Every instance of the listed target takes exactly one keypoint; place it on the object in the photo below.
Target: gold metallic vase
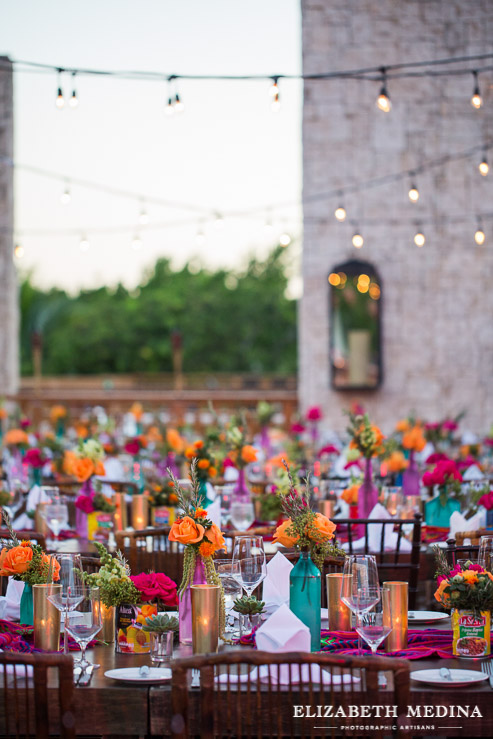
(205, 618)
(46, 618)
(398, 595)
(107, 633)
(339, 613)
(140, 512)
(120, 515)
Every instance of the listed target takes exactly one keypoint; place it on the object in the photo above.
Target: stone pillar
(9, 321)
(437, 301)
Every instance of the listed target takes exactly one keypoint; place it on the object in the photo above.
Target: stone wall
(9, 349)
(437, 301)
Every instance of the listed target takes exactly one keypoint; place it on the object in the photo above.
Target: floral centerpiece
(240, 454)
(468, 592)
(163, 500)
(83, 463)
(413, 441)
(26, 561)
(310, 533)
(35, 461)
(58, 418)
(265, 413)
(128, 600)
(368, 440)
(206, 466)
(201, 539)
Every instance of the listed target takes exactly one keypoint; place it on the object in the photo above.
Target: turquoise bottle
(305, 587)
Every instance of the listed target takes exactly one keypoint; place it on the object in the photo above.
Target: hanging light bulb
(200, 238)
(479, 236)
(358, 240)
(383, 100)
(179, 105)
(143, 217)
(476, 100)
(419, 239)
(74, 100)
(169, 110)
(484, 167)
(340, 213)
(285, 239)
(84, 243)
(60, 100)
(413, 193)
(136, 242)
(65, 197)
(18, 251)
(268, 227)
(274, 91)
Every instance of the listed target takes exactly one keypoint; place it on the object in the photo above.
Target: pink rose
(487, 500)
(297, 428)
(84, 503)
(436, 457)
(329, 449)
(132, 447)
(314, 413)
(34, 458)
(156, 586)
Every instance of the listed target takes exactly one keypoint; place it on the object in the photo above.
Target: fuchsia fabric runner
(19, 638)
(421, 644)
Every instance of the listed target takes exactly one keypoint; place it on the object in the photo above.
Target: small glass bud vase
(161, 646)
(248, 622)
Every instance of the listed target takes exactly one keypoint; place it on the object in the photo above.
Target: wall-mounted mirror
(355, 320)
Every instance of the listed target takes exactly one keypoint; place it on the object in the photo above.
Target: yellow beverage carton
(471, 633)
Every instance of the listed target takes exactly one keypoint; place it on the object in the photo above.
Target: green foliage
(112, 579)
(112, 331)
(159, 624)
(248, 604)
(102, 504)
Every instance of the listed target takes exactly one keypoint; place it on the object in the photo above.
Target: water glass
(242, 515)
(161, 646)
(485, 556)
(360, 575)
(231, 587)
(392, 499)
(84, 622)
(248, 561)
(375, 624)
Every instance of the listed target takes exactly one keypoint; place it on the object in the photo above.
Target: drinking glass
(485, 556)
(360, 574)
(375, 624)
(161, 649)
(70, 578)
(225, 568)
(392, 499)
(55, 513)
(248, 562)
(242, 515)
(84, 622)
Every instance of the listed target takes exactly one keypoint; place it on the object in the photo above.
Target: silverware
(487, 668)
(445, 673)
(86, 676)
(195, 679)
(77, 674)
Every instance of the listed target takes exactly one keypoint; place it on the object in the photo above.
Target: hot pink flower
(132, 447)
(329, 449)
(156, 586)
(84, 503)
(445, 472)
(34, 458)
(436, 457)
(486, 500)
(449, 425)
(25, 423)
(314, 413)
(297, 428)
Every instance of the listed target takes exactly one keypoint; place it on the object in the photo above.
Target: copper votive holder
(205, 618)
(120, 515)
(46, 618)
(327, 507)
(339, 613)
(398, 594)
(40, 524)
(140, 512)
(107, 633)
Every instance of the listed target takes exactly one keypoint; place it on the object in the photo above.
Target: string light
(479, 236)
(274, 91)
(143, 217)
(484, 167)
(476, 100)
(284, 239)
(18, 251)
(84, 243)
(179, 105)
(136, 242)
(357, 240)
(170, 109)
(413, 193)
(340, 213)
(65, 197)
(74, 100)
(419, 239)
(60, 100)
(383, 99)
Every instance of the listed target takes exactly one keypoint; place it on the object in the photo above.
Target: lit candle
(205, 618)
(398, 594)
(339, 613)
(46, 618)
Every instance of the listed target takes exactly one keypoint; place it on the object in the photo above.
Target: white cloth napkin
(12, 611)
(276, 583)
(459, 523)
(214, 512)
(375, 535)
(283, 632)
(300, 674)
(473, 473)
(36, 495)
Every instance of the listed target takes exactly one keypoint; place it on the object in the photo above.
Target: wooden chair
(264, 708)
(91, 564)
(473, 536)
(393, 564)
(28, 710)
(230, 536)
(31, 535)
(453, 552)
(150, 550)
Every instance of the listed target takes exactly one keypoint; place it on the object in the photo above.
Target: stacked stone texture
(9, 365)
(437, 301)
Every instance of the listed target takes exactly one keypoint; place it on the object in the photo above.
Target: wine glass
(392, 499)
(231, 587)
(360, 574)
(248, 562)
(55, 514)
(71, 580)
(242, 515)
(85, 621)
(485, 556)
(375, 624)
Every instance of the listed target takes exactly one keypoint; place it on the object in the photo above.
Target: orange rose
(16, 436)
(68, 462)
(214, 535)
(470, 577)
(99, 469)
(174, 440)
(55, 565)
(397, 462)
(282, 537)
(173, 498)
(3, 554)
(190, 452)
(57, 412)
(212, 472)
(198, 444)
(82, 468)
(402, 425)
(136, 410)
(248, 454)
(440, 596)
(325, 527)
(379, 437)
(186, 531)
(277, 461)
(16, 560)
(414, 439)
(203, 464)
(350, 495)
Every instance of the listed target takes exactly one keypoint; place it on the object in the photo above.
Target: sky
(226, 152)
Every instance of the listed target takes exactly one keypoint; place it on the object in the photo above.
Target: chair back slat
(150, 549)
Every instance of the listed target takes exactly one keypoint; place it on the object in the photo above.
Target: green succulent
(248, 605)
(159, 624)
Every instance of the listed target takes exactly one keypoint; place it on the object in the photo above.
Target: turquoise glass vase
(26, 606)
(304, 596)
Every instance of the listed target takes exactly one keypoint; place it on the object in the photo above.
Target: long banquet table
(110, 708)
